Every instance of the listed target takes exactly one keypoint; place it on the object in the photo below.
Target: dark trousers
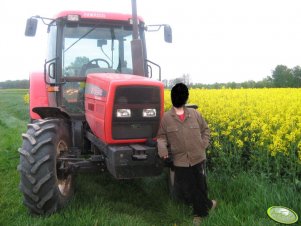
(191, 187)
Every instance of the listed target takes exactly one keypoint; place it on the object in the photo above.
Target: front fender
(37, 93)
(50, 112)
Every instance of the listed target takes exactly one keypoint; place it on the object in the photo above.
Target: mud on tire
(45, 186)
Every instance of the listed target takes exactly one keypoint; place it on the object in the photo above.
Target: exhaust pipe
(136, 45)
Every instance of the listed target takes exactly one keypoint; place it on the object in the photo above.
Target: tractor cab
(81, 43)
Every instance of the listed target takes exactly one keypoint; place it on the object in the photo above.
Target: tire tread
(39, 182)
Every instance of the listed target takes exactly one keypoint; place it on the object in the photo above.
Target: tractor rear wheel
(46, 182)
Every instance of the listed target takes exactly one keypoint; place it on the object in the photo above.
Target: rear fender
(37, 93)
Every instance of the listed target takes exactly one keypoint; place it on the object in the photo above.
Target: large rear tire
(45, 183)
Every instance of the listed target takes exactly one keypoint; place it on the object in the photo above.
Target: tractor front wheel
(46, 183)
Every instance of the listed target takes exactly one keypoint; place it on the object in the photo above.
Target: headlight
(123, 113)
(149, 113)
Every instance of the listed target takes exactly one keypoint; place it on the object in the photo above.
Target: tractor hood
(117, 107)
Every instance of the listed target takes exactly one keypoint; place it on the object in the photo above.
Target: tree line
(16, 84)
(281, 77)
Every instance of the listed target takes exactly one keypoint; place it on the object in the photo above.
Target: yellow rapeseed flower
(261, 120)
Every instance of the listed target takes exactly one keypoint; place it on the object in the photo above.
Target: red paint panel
(101, 88)
(37, 93)
(91, 107)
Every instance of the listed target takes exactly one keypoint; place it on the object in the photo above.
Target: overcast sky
(213, 40)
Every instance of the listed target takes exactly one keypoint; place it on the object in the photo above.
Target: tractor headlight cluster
(127, 113)
(149, 113)
(123, 113)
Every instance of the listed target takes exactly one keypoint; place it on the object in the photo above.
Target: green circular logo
(282, 214)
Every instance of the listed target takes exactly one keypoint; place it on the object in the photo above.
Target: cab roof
(97, 15)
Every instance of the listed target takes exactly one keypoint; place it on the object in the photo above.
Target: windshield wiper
(93, 28)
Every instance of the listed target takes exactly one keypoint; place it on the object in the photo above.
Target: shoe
(214, 204)
(197, 221)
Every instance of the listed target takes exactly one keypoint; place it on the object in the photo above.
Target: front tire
(46, 183)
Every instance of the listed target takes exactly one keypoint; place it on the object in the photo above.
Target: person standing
(185, 132)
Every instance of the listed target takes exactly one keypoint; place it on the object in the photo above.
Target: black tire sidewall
(48, 198)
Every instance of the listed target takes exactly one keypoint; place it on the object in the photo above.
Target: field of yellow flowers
(258, 129)
(251, 129)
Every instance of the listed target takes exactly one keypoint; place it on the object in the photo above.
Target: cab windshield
(89, 48)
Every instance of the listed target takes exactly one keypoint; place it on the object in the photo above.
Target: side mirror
(31, 27)
(167, 34)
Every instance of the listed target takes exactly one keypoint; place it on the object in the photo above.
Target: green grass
(101, 200)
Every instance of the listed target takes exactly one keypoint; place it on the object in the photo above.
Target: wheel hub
(64, 179)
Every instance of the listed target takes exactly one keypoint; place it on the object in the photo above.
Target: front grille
(136, 98)
(137, 95)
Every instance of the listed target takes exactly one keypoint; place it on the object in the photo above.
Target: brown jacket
(186, 139)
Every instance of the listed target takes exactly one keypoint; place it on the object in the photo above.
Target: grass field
(101, 200)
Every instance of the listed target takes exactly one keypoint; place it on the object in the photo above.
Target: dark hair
(179, 95)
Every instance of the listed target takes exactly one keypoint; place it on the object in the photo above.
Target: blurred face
(179, 95)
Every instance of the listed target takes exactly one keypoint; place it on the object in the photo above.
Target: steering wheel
(96, 60)
(93, 64)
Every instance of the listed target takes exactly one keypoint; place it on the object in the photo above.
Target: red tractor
(94, 108)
